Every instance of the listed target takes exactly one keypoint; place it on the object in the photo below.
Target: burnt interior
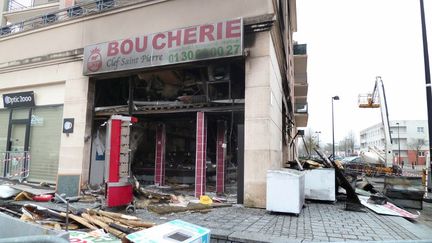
(202, 84)
(216, 85)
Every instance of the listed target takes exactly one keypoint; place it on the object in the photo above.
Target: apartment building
(218, 88)
(409, 140)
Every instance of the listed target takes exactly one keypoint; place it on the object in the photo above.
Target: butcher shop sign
(201, 42)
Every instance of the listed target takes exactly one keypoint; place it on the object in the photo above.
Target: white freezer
(320, 184)
(285, 191)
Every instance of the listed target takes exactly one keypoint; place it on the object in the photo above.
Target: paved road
(318, 222)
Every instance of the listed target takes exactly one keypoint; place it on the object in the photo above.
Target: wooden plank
(104, 226)
(163, 209)
(80, 220)
(113, 215)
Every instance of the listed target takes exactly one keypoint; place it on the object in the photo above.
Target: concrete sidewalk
(318, 222)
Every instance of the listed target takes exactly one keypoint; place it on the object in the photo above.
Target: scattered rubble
(41, 205)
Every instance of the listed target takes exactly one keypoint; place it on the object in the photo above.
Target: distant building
(412, 135)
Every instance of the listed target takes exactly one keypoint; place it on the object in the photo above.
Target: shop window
(4, 123)
(20, 113)
(45, 133)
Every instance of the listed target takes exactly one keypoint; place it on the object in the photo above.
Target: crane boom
(377, 99)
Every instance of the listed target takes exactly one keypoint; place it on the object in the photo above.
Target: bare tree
(328, 148)
(417, 145)
(309, 144)
(347, 145)
(351, 141)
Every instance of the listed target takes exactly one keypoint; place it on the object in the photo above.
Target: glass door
(17, 138)
(17, 159)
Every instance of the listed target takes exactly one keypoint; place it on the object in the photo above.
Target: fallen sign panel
(35, 190)
(172, 231)
(387, 209)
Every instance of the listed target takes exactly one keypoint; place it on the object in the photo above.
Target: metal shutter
(45, 134)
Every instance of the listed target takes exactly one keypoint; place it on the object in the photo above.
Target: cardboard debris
(313, 164)
(23, 196)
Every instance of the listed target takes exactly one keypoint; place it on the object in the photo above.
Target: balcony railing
(300, 49)
(301, 108)
(79, 10)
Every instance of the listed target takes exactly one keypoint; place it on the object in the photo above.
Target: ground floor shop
(22, 131)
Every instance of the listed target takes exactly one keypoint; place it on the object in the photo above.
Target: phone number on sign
(204, 53)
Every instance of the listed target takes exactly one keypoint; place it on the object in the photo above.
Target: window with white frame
(420, 129)
(421, 153)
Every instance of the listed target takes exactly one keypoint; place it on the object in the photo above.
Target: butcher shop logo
(24, 99)
(94, 62)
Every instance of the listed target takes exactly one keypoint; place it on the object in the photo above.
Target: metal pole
(399, 154)
(428, 82)
(67, 215)
(131, 96)
(333, 147)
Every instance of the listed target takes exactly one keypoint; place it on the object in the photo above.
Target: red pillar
(200, 154)
(159, 177)
(220, 157)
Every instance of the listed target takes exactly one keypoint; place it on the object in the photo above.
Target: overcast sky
(349, 43)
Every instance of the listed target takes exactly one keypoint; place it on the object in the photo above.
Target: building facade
(219, 89)
(409, 140)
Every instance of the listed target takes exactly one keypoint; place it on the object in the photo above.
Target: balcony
(18, 11)
(22, 18)
(300, 70)
(301, 114)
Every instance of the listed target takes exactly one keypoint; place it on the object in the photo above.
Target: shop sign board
(201, 42)
(21, 99)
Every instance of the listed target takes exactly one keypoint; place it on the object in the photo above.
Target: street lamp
(318, 133)
(333, 98)
(399, 155)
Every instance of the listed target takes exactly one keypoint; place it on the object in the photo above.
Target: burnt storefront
(186, 87)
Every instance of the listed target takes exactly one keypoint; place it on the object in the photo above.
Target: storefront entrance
(30, 142)
(17, 147)
(186, 137)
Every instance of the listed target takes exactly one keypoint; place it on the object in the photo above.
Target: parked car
(351, 159)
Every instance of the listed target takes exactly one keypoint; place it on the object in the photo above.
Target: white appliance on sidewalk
(320, 184)
(285, 191)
